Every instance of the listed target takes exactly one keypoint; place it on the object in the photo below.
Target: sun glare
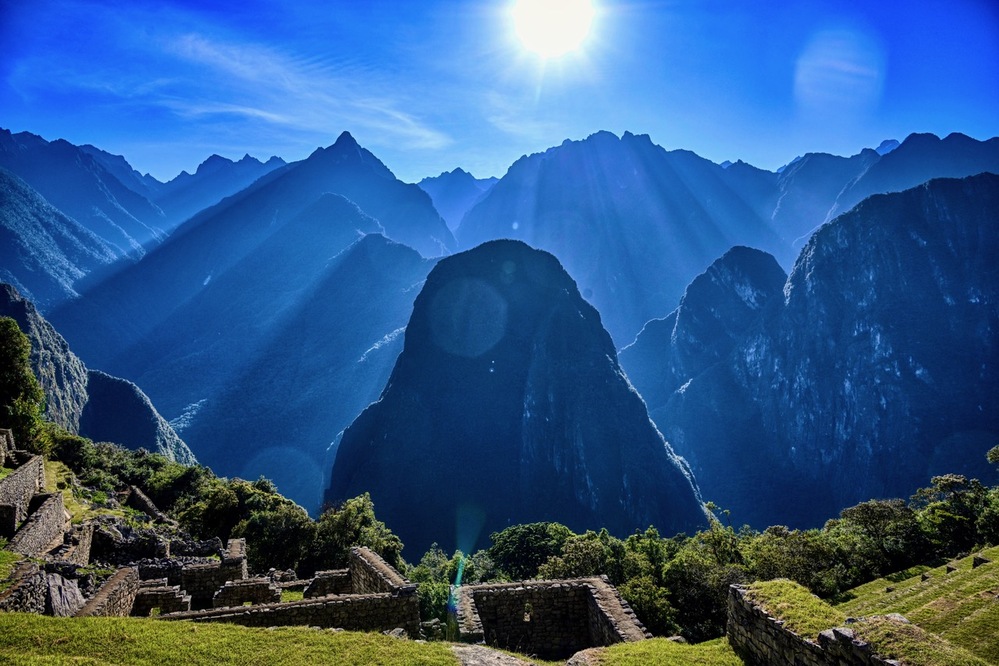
(551, 28)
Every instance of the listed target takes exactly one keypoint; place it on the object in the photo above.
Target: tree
(948, 512)
(21, 398)
(520, 549)
(353, 523)
(892, 529)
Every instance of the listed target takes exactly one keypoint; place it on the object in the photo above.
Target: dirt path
(478, 655)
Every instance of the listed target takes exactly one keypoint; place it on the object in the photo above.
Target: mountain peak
(345, 141)
(508, 373)
(887, 146)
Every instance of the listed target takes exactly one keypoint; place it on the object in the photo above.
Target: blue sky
(431, 85)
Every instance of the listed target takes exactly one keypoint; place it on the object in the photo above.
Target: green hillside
(962, 606)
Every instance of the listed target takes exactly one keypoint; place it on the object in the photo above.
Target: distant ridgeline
(264, 306)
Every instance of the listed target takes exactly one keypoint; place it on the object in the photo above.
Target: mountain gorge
(507, 405)
(879, 353)
(89, 402)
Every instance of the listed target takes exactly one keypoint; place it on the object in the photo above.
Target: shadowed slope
(507, 405)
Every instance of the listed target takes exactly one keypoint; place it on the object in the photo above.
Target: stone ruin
(552, 619)
(204, 582)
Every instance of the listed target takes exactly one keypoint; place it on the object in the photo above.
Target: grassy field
(962, 606)
(914, 645)
(34, 639)
(803, 612)
(661, 652)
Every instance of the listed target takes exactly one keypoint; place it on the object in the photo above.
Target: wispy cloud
(181, 62)
(296, 91)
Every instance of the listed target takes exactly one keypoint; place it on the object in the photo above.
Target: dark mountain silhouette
(507, 405)
(43, 252)
(76, 183)
(875, 369)
(118, 411)
(454, 192)
(215, 179)
(918, 159)
(89, 403)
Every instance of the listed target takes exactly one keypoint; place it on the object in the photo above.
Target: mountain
(137, 299)
(716, 311)
(142, 184)
(454, 192)
(507, 405)
(634, 223)
(215, 179)
(273, 356)
(631, 222)
(88, 402)
(76, 183)
(918, 159)
(274, 403)
(118, 411)
(43, 252)
(873, 369)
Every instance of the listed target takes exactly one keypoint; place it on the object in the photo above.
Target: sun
(551, 28)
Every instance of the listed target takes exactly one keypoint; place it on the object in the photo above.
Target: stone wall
(334, 581)
(16, 491)
(6, 444)
(552, 619)
(76, 547)
(45, 525)
(27, 592)
(370, 573)
(116, 596)
(252, 590)
(762, 640)
(367, 612)
(234, 559)
(202, 581)
(159, 595)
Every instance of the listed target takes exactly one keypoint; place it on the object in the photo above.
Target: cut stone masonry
(552, 619)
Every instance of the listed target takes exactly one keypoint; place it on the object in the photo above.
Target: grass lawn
(34, 639)
(662, 652)
(961, 606)
(803, 612)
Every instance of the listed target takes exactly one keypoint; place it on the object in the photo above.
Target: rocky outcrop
(89, 402)
(874, 372)
(716, 311)
(507, 405)
(118, 411)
